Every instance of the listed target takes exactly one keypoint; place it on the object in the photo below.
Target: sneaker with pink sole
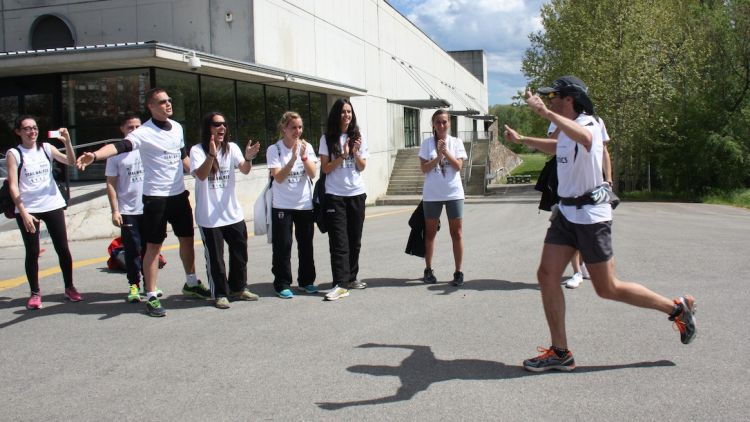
(35, 301)
(72, 294)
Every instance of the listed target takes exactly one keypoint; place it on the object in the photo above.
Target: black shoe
(458, 279)
(429, 277)
(154, 308)
(549, 360)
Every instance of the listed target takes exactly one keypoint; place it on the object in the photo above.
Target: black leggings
(55, 222)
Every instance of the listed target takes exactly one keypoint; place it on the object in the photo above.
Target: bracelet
(304, 158)
(521, 139)
(212, 155)
(94, 157)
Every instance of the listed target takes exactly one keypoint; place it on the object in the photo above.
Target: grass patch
(737, 198)
(531, 164)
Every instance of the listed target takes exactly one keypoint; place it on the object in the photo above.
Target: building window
(318, 116)
(277, 103)
(299, 102)
(182, 87)
(217, 94)
(50, 31)
(251, 117)
(93, 103)
(411, 127)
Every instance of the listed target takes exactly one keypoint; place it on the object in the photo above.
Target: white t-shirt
(161, 156)
(346, 180)
(442, 183)
(605, 135)
(129, 172)
(38, 190)
(579, 171)
(216, 203)
(295, 192)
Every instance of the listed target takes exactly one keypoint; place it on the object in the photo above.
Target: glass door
(411, 127)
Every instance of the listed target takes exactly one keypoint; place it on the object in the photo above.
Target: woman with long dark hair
(218, 213)
(292, 164)
(343, 157)
(441, 158)
(37, 198)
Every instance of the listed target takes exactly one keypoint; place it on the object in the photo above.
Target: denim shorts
(433, 209)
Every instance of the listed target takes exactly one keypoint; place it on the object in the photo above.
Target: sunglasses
(164, 101)
(219, 124)
(551, 95)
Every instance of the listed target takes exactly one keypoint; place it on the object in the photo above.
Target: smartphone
(53, 134)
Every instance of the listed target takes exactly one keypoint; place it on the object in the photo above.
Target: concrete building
(83, 64)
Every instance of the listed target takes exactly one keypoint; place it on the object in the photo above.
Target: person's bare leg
(151, 266)
(456, 229)
(609, 287)
(555, 259)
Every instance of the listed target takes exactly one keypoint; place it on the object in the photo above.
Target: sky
(499, 27)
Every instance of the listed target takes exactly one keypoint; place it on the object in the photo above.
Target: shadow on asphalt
(107, 305)
(445, 288)
(421, 369)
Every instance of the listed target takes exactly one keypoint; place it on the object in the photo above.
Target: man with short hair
(165, 200)
(124, 174)
(582, 221)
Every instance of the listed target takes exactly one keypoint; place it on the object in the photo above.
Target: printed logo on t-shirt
(349, 163)
(295, 176)
(220, 179)
(171, 158)
(135, 172)
(36, 174)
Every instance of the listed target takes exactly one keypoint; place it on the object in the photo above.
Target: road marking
(17, 281)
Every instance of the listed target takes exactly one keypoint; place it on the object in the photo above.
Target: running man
(580, 223)
(165, 200)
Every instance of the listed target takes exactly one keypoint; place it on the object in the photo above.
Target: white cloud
(499, 27)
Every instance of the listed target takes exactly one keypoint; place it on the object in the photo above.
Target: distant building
(84, 64)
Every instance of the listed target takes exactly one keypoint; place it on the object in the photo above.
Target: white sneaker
(585, 272)
(337, 293)
(574, 281)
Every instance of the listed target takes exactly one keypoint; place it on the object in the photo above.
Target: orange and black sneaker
(550, 360)
(684, 320)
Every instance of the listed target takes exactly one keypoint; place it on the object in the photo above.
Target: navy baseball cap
(566, 85)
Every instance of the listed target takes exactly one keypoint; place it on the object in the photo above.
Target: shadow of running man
(421, 369)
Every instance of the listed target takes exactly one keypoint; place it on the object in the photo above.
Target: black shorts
(160, 210)
(594, 241)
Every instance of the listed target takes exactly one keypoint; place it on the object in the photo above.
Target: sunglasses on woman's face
(219, 124)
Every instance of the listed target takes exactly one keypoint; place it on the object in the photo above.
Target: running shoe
(309, 289)
(35, 301)
(222, 303)
(72, 294)
(337, 293)
(429, 276)
(285, 294)
(685, 320)
(575, 281)
(133, 295)
(243, 295)
(154, 308)
(549, 360)
(199, 290)
(356, 284)
(458, 279)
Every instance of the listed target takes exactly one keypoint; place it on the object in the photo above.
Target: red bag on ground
(116, 252)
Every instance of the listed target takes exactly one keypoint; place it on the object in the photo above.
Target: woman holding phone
(37, 198)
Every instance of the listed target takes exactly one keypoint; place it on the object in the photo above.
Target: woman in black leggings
(37, 198)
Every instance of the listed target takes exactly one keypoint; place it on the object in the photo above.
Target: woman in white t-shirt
(292, 164)
(343, 158)
(37, 198)
(217, 211)
(441, 157)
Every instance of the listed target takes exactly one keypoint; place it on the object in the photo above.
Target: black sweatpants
(345, 216)
(281, 236)
(55, 222)
(235, 235)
